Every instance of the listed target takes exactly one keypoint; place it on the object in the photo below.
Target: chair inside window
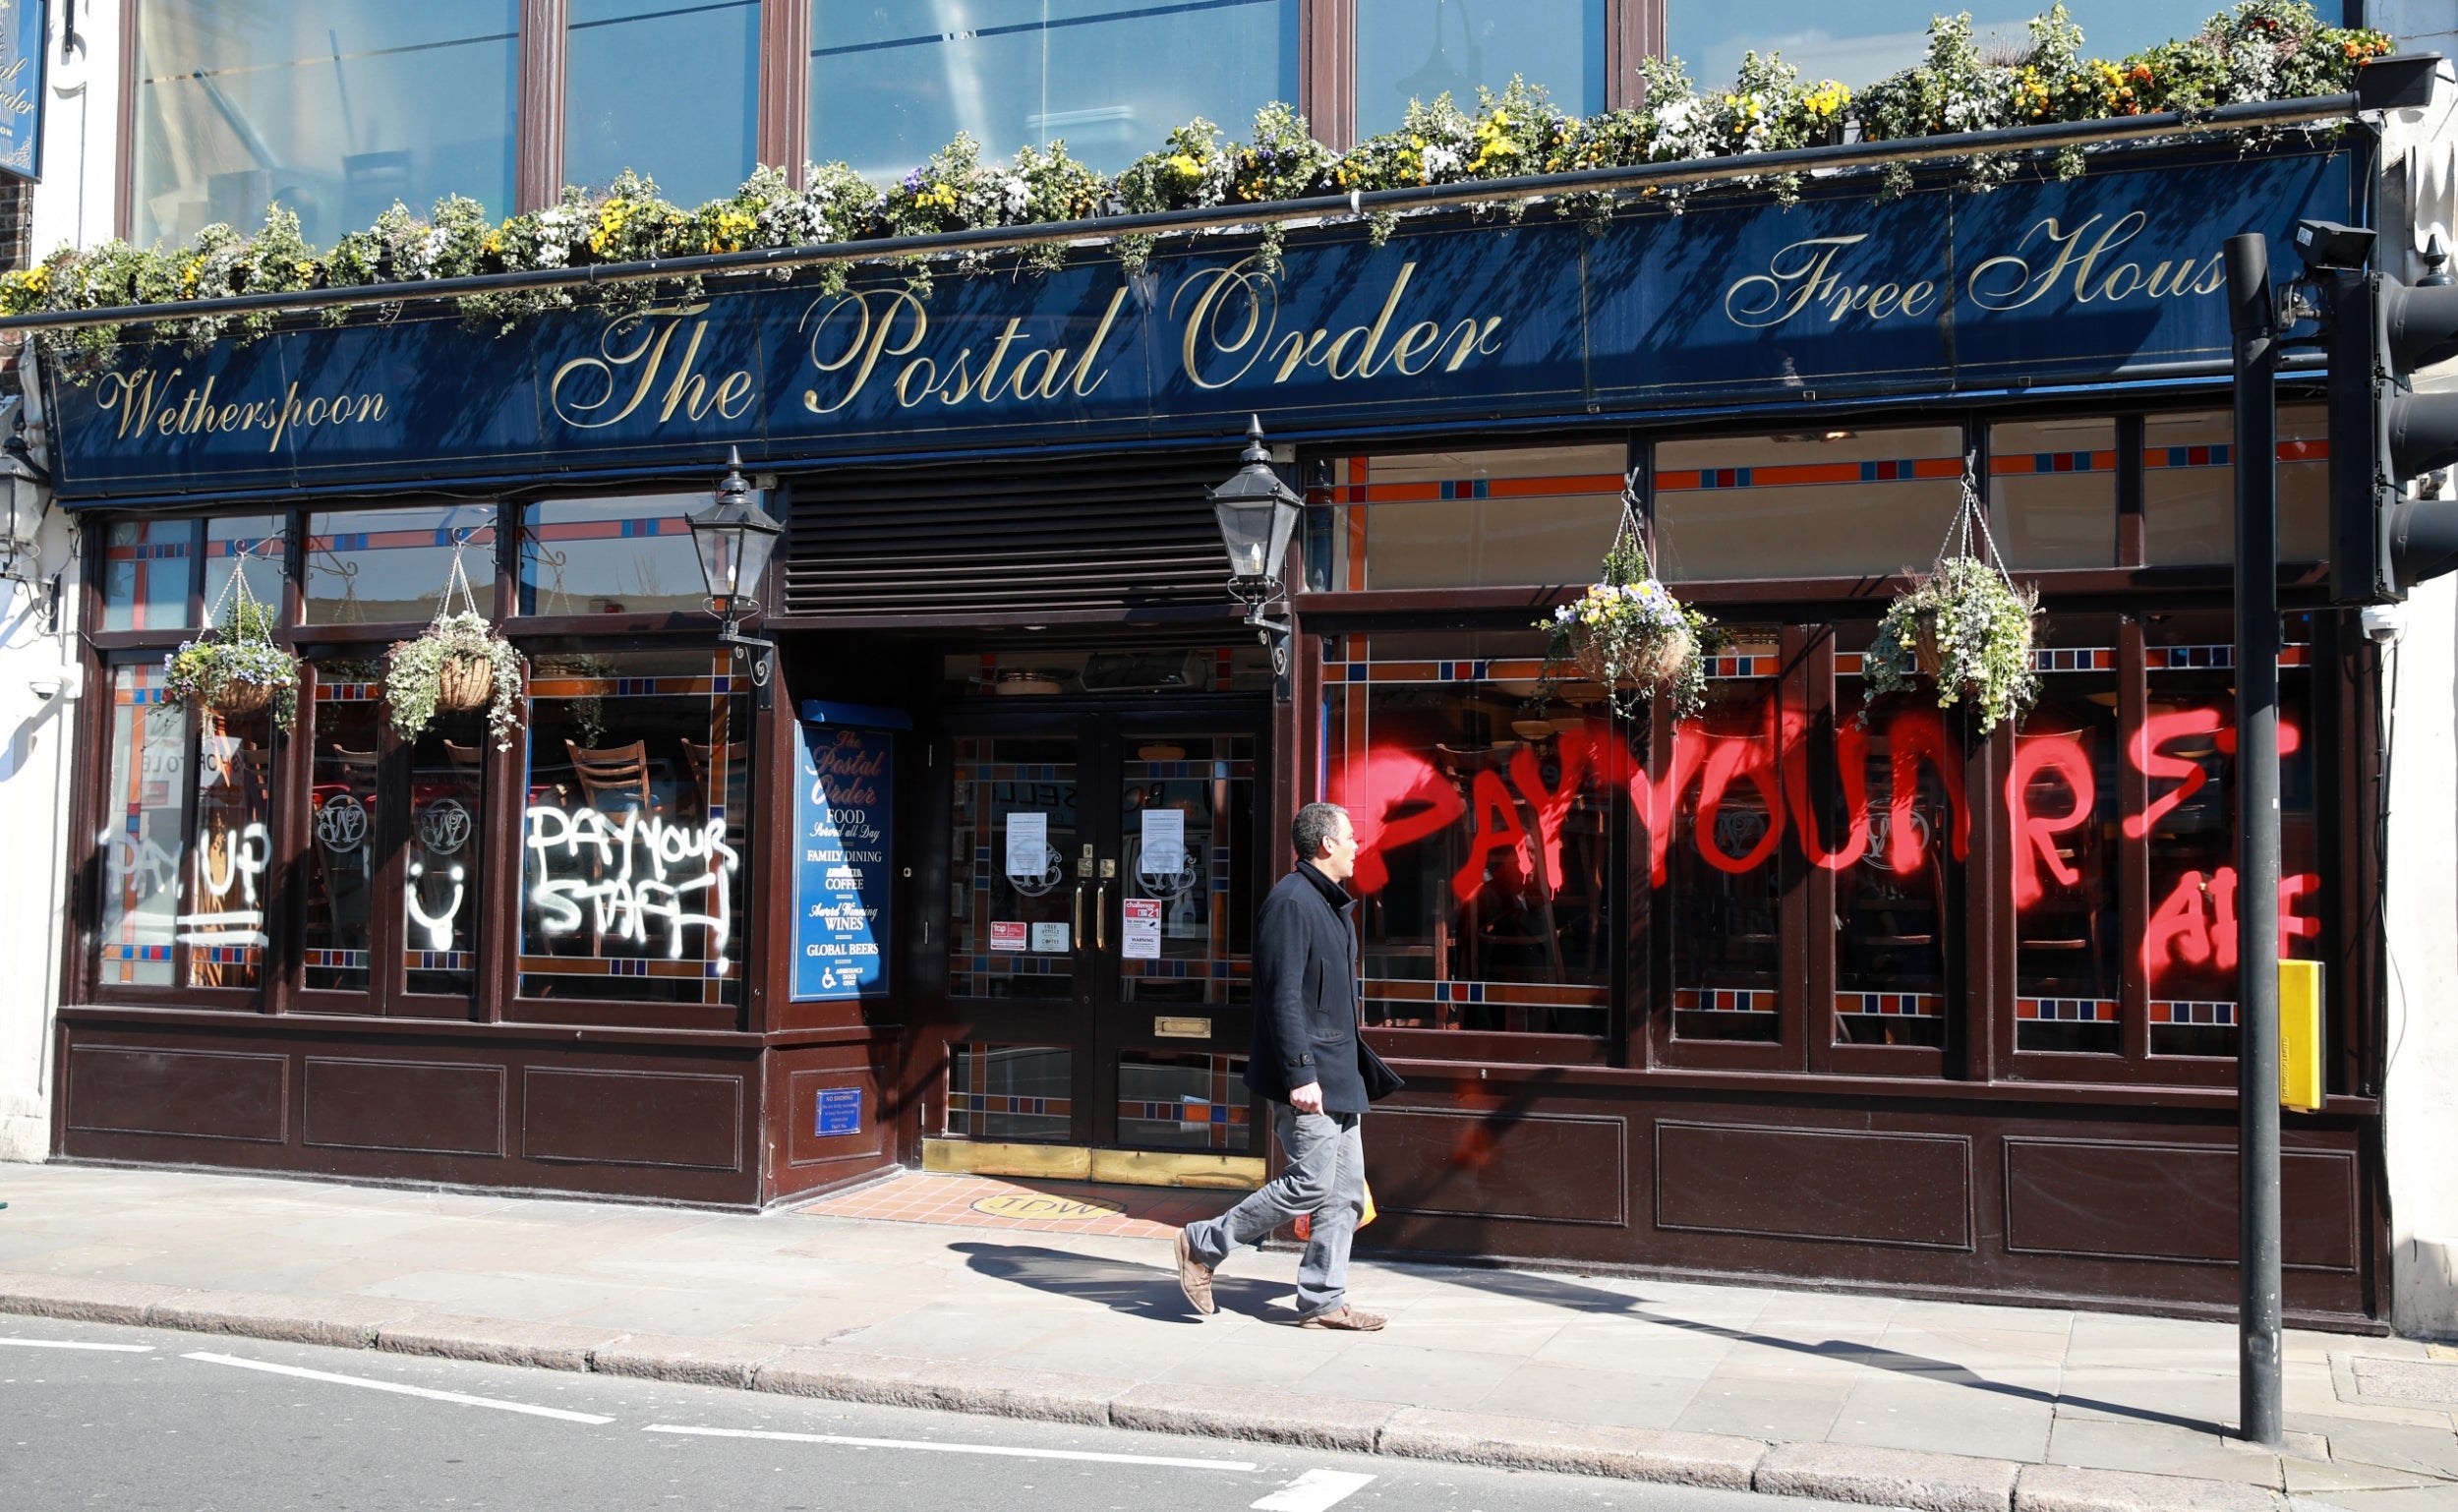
(621, 771)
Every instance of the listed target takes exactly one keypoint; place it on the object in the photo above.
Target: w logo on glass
(341, 824)
(444, 827)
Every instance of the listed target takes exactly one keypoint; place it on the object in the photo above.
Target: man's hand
(1307, 1098)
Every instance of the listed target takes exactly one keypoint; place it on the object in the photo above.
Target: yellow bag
(1304, 1222)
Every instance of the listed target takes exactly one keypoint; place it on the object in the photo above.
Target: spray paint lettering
(627, 878)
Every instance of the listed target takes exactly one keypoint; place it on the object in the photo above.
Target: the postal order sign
(1456, 317)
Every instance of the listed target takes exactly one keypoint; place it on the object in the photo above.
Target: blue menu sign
(839, 1111)
(21, 88)
(842, 881)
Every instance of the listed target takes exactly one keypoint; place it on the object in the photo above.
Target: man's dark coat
(1306, 993)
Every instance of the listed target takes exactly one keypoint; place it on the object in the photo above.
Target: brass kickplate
(1183, 1029)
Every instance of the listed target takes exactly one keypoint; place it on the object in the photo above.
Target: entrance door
(1103, 877)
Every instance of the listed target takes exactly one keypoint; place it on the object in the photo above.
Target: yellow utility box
(2299, 1035)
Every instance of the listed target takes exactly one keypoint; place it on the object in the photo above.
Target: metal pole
(2252, 318)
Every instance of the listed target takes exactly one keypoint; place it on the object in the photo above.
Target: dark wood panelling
(805, 1145)
(1877, 1188)
(2158, 1202)
(1477, 1163)
(197, 1094)
(424, 1106)
(633, 1118)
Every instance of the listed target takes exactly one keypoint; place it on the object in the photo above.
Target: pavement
(1069, 1315)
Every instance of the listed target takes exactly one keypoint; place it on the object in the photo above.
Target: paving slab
(2155, 1448)
(1888, 1478)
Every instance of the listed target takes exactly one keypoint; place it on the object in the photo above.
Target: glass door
(1103, 874)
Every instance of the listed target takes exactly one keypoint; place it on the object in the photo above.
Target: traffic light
(2383, 434)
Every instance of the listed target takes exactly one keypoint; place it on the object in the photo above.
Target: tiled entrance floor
(1036, 1206)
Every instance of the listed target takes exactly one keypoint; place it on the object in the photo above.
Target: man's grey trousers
(1325, 1179)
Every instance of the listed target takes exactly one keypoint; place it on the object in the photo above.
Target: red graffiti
(1910, 736)
(2195, 925)
(1752, 758)
(1496, 821)
(1550, 805)
(1395, 798)
(2061, 758)
(1852, 760)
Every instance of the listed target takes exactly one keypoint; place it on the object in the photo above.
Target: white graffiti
(634, 873)
(439, 926)
(245, 854)
(137, 864)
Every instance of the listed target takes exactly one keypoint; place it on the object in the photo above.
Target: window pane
(1012, 908)
(634, 836)
(1010, 1091)
(1895, 838)
(1863, 42)
(1835, 503)
(893, 84)
(1474, 519)
(1207, 889)
(1183, 1102)
(343, 799)
(2053, 493)
(373, 566)
(224, 925)
(1483, 831)
(255, 540)
(1724, 872)
(1418, 49)
(2189, 486)
(148, 566)
(612, 556)
(2187, 751)
(333, 110)
(448, 846)
(2064, 823)
(670, 91)
(143, 809)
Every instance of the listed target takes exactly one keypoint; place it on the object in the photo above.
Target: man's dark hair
(1315, 824)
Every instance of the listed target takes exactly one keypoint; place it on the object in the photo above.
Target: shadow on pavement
(1138, 1290)
(1560, 1293)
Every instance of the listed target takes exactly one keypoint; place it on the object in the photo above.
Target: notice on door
(1141, 939)
(1028, 846)
(1007, 934)
(842, 879)
(1164, 843)
(1049, 939)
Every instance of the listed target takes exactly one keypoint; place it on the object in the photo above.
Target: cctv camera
(65, 682)
(2382, 623)
(2327, 244)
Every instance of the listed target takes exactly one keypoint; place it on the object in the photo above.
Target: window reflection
(256, 545)
(1184, 1101)
(1825, 503)
(612, 556)
(1188, 810)
(1864, 42)
(223, 924)
(2189, 486)
(2053, 493)
(1010, 1091)
(333, 111)
(343, 807)
(142, 839)
(1896, 833)
(1483, 828)
(893, 84)
(446, 847)
(1474, 519)
(669, 90)
(1418, 49)
(148, 570)
(371, 566)
(634, 839)
(2063, 824)
(1011, 918)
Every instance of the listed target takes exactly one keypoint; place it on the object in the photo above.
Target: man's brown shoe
(1194, 1278)
(1346, 1319)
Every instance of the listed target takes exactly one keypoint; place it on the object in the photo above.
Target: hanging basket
(1988, 665)
(1926, 652)
(238, 700)
(1655, 661)
(464, 684)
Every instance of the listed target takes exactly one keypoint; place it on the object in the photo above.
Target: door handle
(1077, 937)
(1100, 917)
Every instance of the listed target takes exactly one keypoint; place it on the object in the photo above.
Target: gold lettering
(370, 408)
(1417, 338)
(1212, 328)
(733, 394)
(1920, 298)
(686, 379)
(1787, 287)
(1024, 386)
(1365, 364)
(229, 416)
(989, 386)
(917, 367)
(868, 344)
(1076, 382)
(656, 326)
(315, 412)
(2214, 276)
(1470, 341)
(1292, 351)
(2131, 225)
(288, 413)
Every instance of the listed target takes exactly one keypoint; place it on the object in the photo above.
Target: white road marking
(945, 1448)
(115, 1349)
(1313, 1490)
(400, 1390)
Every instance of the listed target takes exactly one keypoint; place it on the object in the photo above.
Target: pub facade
(1818, 984)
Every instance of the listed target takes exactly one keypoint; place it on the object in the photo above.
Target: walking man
(1305, 1059)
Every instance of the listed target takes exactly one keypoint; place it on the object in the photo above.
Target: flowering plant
(234, 667)
(2259, 49)
(457, 663)
(1965, 625)
(1629, 633)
